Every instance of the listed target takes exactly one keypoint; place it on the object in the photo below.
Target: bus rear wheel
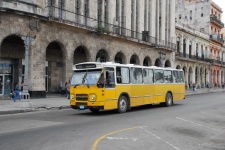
(122, 104)
(169, 100)
(94, 110)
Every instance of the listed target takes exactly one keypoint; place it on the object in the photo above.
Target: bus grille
(81, 97)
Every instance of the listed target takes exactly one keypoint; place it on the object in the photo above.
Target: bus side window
(110, 78)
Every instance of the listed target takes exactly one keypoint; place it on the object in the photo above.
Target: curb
(33, 110)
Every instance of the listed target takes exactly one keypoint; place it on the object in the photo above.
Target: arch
(178, 67)
(102, 56)
(147, 61)
(12, 46)
(12, 52)
(167, 63)
(80, 55)
(134, 59)
(158, 62)
(120, 58)
(196, 74)
(55, 66)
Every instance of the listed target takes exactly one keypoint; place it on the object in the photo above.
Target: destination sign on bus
(85, 66)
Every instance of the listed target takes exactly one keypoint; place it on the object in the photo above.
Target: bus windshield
(85, 77)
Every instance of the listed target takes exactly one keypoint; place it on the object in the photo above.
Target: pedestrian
(17, 92)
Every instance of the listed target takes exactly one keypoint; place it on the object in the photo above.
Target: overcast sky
(221, 4)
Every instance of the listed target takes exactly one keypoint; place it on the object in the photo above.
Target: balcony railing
(101, 27)
(199, 58)
(214, 18)
(217, 38)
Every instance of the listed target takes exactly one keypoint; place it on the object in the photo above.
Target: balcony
(216, 38)
(100, 27)
(214, 19)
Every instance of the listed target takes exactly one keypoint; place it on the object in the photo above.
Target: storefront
(6, 76)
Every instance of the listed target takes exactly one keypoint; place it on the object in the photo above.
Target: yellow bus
(107, 86)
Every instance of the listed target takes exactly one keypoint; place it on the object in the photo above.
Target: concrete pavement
(57, 101)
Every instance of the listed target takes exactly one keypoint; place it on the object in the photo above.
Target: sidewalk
(57, 101)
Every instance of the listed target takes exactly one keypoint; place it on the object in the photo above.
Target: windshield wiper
(84, 78)
(77, 85)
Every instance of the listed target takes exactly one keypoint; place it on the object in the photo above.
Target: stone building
(205, 16)
(192, 55)
(41, 40)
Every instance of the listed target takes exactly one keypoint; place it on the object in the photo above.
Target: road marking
(102, 137)
(121, 138)
(160, 139)
(197, 124)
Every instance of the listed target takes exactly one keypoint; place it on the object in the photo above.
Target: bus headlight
(93, 97)
(71, 96)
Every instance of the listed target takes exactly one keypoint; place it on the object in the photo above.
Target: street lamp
(162, 56)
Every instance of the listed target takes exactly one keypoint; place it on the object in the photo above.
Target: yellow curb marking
(102, 137)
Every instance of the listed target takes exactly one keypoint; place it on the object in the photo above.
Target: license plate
(81, 107)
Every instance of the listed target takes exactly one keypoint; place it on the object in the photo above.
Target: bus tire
(122, 104)
(169, 100)
(94, 110)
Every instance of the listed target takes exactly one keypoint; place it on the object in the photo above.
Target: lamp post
(162, 56)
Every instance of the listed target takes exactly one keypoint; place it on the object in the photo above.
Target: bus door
(111, 100)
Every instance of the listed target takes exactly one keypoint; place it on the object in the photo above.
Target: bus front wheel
(169, 100)
(122, 104)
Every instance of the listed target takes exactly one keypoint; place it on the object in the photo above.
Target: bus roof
(99, 65)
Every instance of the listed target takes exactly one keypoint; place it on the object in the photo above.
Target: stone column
(152, 25)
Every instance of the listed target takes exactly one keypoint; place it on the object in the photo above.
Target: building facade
(41, 40)
(205, 16)
(192, 56)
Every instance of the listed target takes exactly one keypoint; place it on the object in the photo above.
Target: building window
(99, 11)
(180, 16)
(117, 10)
(86, 10)
(190, 18)
(106, 11)
(202, 30)
(132, 19)
(123, 21)
(51, 7)
(137, 10)
(201, 15)
(60, 8)
(77, 10)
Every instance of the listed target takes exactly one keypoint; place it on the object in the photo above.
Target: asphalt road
(196, 123)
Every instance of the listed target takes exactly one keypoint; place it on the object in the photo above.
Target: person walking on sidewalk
(17, 92)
